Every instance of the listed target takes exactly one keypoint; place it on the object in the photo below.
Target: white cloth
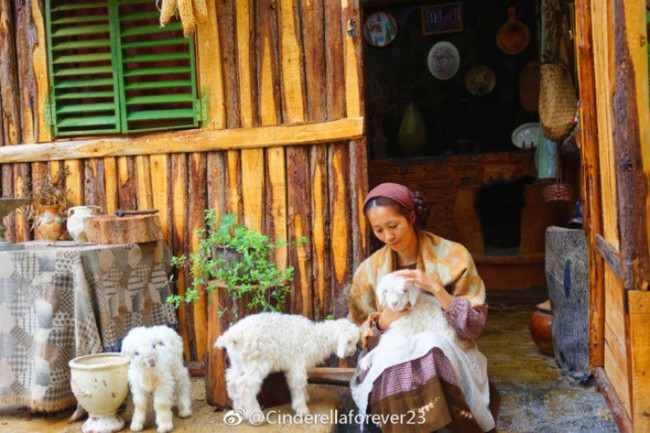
(470, 367)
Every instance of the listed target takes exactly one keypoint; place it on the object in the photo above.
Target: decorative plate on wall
(525, 136)
(480, 80)
(380, 29)
(443, 60)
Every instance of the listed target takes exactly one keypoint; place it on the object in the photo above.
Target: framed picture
(442, 18)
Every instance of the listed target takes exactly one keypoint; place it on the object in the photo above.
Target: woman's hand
(389, 316)
(429, 283)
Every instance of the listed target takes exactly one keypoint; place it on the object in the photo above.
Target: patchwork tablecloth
(59, 301)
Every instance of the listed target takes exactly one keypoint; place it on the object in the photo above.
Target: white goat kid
(156, 369)
(394, 293)
(271, 342)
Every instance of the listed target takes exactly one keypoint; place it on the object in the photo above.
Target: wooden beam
(619, 413)
(592, 215)
(290, 55)
(209, 68)
(639, 304)
(352, 28)
(195, 140)
(610, 254)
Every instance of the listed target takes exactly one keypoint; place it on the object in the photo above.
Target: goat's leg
(140, 398)
(163, 399)
(297, 381)
(183, 391)
(232, 378)
(248, 385)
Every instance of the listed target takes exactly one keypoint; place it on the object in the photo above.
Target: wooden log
(160, 166)
(217, 182)
(268, 74)
(215, 384)
(32, 69)
(227, 41)
(321, 232)
(111, 184)
(639, 304)
(313, 31)
(276, 202)
(353, 58)
(631, 180)
(291, 60)
(358, 191)
(252, 178)
(143, 180)
(299, 219)
(233, 180)
(246, 64)
(74, 182)
(196, 195)
(610, 255)
(95, 184)
(621, 416)
(111, 229)
(209, 69)
(341, 241)
(179, 245)
(334, 60)
(127, 191)
(195, 140)
(39, 176)
(9, 90)
(21, 181)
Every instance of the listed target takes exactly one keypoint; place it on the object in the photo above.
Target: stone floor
(536, 397)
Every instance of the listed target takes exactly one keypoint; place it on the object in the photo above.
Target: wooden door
(613, 69)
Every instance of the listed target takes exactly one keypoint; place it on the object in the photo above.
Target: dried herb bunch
(47, 192)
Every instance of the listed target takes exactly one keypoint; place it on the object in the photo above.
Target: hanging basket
(557, 101)
(557, 192)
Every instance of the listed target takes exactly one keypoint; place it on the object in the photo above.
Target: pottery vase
(412, 135)
(76, 221)
(541, 328)
(49, 222)
(99, 382)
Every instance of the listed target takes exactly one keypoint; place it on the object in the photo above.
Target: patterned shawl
(450, 261)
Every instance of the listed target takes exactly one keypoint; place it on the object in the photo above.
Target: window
(113, 69)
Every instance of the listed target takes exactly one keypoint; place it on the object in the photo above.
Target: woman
(430, 381)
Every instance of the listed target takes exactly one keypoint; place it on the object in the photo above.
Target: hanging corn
(190, 12)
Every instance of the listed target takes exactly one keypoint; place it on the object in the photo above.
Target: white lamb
(156, 368)
(271, 342)
(395, 293)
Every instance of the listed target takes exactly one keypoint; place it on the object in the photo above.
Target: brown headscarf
(393, 191)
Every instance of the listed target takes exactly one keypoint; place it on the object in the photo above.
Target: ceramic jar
(541, 328)
(76, 216)
(49, 222)
(99, 382)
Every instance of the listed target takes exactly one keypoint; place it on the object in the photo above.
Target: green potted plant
(234, 268)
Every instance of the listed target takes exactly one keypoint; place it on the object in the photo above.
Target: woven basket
(557, 192)
(557, 101)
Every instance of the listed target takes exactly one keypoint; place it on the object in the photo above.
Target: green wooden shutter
(114, 69)
(158, 88)
(83, 76)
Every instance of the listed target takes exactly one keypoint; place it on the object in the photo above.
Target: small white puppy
(394, 293)
(156, 369)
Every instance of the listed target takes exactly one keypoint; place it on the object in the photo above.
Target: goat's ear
(413, 293)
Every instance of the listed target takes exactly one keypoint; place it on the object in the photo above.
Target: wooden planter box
(274, 389)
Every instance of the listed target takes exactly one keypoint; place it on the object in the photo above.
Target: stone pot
(541, 327)
(49, 222)
(76, 221)
(99, 382)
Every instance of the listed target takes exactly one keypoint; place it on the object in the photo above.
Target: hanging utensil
(513, 37)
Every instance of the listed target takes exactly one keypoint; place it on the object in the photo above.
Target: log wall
(261, 63)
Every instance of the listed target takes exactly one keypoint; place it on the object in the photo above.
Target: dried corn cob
(200, 11)
(166, 12)
(187, 17)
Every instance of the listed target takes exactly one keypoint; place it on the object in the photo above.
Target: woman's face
(392, 228)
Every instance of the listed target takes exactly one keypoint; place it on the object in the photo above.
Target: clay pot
(49, 223)
(541, 327)
(76, 217)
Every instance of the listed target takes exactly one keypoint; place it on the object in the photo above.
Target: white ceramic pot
(99, 382)
(76, 217)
